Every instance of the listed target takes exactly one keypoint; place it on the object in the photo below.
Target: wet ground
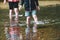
(45, 32)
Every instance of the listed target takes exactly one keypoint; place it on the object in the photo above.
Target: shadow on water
(46, 32)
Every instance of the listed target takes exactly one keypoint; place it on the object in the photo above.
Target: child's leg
(28, 21)
(35, 20)
(16, 14)
(34, 16)
(10, 16)
(27, 14)
(27, 30)
(10, 12)
(16, 11)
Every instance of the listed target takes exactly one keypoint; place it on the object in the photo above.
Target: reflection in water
(48, 33)
(31, 33)
(31, 36)
(35, 36)
(27, 31)
(12, 33)
(6, 33)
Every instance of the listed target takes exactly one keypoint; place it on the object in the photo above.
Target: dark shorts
(13, 5)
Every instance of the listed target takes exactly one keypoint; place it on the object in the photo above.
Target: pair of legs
(13, 6)
(28, 14)
(27, 30)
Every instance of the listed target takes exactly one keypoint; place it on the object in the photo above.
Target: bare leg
(35, 18)
(16, 14)
(28, 24)
(27, 30)
(10, 16)
(28, 21)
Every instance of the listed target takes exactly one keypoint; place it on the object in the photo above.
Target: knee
(15, 10)
(28, 18)
(34, 16)
(10, 11)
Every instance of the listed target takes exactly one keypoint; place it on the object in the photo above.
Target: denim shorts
(28, 13)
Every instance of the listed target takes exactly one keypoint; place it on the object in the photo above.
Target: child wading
(31, 7)
(13, 7)
(13, 31)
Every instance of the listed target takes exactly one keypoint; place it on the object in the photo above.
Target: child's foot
(40, 22)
